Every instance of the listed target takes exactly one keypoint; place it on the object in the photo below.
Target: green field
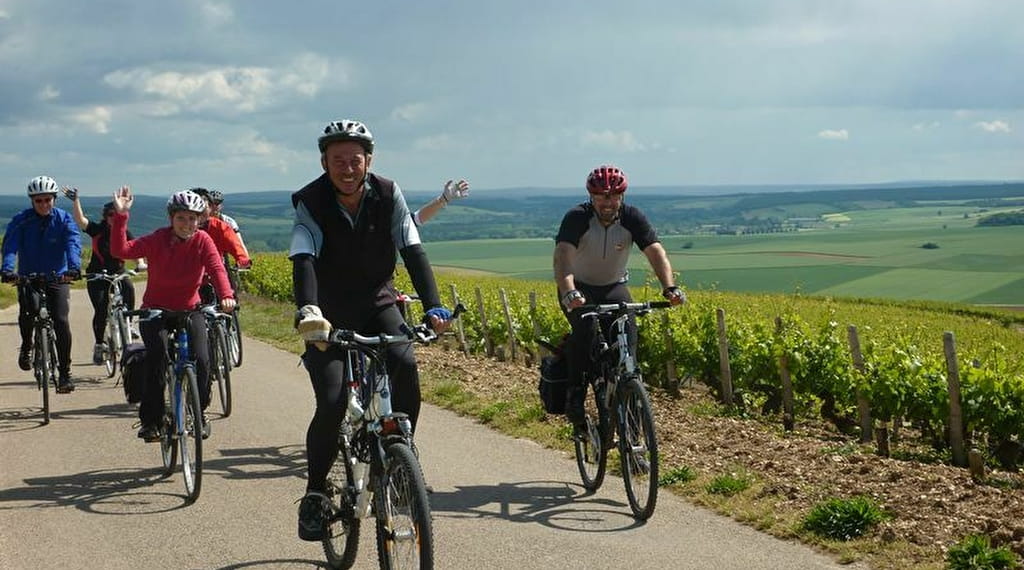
(878, 253)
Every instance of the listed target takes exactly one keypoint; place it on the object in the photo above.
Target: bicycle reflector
(390, 426)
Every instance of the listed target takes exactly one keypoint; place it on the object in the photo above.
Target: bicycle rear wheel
(342, 542)
(191, 434)
(234, 335)
(590, 446)
(42, 370)
(638, 448)
(169, 439)
(405, 537)
(220, 367)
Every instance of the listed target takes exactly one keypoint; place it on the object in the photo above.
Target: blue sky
(232, 94)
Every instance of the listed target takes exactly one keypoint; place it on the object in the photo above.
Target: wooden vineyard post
(956, 421)
(508, 325)
(488, 345)
(671, 381)
(787, 383)
(459, 330)
(723, 357)
(863, 408)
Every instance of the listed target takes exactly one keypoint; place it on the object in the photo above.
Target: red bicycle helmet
(607, 179)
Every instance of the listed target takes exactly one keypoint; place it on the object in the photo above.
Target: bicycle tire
(191, 435)
(41, 363)
(234, 336)
(342, 542)
(110, 351)
(220, 368)
(169, 439)
(638, 448)
(405, 537)
(591, 447)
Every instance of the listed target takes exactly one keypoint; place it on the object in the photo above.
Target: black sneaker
(206, 427)
(99, 350)
(25, 359)
(314, 510)
(65, 385)
(150, 433)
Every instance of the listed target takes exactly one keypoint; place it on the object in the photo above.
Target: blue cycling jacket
(42, 244)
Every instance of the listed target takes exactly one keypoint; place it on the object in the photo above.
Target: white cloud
(226, 90)
(612, 140)
(409, 113)
(439, 143)
(834, 135)
(216, 14)
(997, 126)
(96, 119)
(4, 15)
(48, 93)
(926, 126)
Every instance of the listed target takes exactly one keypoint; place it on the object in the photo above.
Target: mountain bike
(220, 359)
(620, 406)
(118, 330)
(377, 472)
(44, 337)
(182, 426)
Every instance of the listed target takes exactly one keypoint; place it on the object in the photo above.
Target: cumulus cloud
(834, 135)
(227, 90)
(926, 126)
(612, 140)
(96, 119)
(48, 93)
(409, 113)
(997, 126)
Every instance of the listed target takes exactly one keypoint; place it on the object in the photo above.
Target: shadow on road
(278, 563)
(555, 504)
(145, 491)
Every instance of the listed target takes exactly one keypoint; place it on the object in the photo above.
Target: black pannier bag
(132, 372)
(554, 379)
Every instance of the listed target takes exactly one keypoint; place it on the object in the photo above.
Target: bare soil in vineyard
(932, 505)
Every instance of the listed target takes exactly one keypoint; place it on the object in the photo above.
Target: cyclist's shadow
(105, 492)
(554, 504)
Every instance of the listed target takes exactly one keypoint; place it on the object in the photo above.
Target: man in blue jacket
(44, 239)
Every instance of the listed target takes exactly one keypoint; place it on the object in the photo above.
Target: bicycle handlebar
(51, 277)
(621, 307)
(153, 313)
(421, 334)
(112, 277)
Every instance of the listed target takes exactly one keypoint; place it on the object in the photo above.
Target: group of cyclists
(182, 260)
(349, 223)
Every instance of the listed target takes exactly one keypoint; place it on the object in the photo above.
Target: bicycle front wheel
(342, 542)
(169, 439)
(110, 353)
(638, 448)
(220, 367)
(405, 536)
(591, 446)
(42, 369)
(190, 434)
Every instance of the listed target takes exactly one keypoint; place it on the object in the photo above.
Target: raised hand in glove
(70, 193)
(455, 190)
(312, 326)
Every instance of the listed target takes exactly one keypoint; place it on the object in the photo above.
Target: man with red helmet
(591, 252)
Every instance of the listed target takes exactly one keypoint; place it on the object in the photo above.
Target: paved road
(84, 492)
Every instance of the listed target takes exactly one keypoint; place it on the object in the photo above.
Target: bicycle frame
(44, 361)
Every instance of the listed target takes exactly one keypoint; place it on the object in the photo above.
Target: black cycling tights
(98, 295)
(326, 373)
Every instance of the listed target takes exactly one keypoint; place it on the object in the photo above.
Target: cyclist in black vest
(591, 251)
(348, 224)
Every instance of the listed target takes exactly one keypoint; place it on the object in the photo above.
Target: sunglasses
(42, 200)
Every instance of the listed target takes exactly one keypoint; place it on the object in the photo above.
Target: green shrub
(728, 484)
(844, 519)
(682, 474)
(975, 552)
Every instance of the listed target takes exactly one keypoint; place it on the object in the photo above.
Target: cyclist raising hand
(179, 256)
(591, 251)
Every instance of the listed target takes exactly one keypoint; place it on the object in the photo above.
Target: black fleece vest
(356, 265)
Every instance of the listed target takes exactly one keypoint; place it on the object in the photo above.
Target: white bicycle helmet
(42, 185)
(346, 130)
(186, 201)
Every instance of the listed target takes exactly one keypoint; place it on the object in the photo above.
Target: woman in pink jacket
(179, 256)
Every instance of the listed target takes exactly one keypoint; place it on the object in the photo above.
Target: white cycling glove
(312, 326)
(455, 190)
